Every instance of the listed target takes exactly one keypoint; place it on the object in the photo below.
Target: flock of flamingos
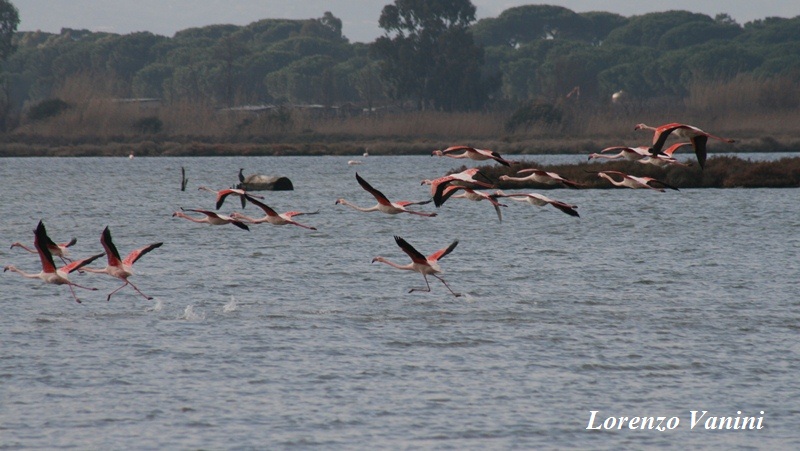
(441, 189)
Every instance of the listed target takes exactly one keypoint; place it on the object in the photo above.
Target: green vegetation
(535, 79)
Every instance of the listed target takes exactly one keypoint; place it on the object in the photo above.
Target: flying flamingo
(467, 176)
(627, 153)
(540, 200)
(57, 250)
(424, 265)
(698, 137)
(384, 205)
(447, 191)
(211, 218)
(117, 267)
(224, 193)
(472, 153)
(666, 159)
(630, 181)
(272, 216)
(51, 274)
(540, 176)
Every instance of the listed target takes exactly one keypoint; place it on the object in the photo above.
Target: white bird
(424, 265)
(49, 273)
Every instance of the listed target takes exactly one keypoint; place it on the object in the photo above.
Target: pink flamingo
(540, 176)
(57, 250)
(698, 138)
(272, 216)
(424, 265)
(447, 191)
(627, 153)
(540, 200)
(472, 153)
(118, 267)
(224, 193)
(211, 218)
(49, 273)
(384, 205)
(630, 181)
(467, 176)
(667, 159)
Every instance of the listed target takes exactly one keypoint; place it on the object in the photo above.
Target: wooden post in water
(184, 180)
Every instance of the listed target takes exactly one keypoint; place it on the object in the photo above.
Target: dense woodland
(534, 69)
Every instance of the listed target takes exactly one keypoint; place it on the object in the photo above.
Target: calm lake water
(649, 304)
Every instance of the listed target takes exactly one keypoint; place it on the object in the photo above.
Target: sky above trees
(359, 17)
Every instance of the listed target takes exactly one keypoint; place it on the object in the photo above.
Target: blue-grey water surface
(649, 304)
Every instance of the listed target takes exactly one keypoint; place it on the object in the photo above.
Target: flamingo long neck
(185, 216)
(408, 267)
(611, 179)
(23, 273)
(95, 270)
(241, 216)
(24, 247)
(608, 157)
(366, 210)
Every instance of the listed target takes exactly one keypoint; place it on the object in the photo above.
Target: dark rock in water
(258, 182)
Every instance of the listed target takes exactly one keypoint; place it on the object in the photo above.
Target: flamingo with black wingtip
(224, 193)
(49, 273)
(540, 176)
(424, 265)
(210, 218)
(634, 182)
(384, 205)
(272, 216)
(119, 267)
(698, 138)
(472, 153)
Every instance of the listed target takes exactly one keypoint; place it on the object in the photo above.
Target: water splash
(190, 315)
(231, 306)
(157, 307)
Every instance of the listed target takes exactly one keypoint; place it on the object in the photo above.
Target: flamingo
(384, 205)
(424, 265)
(49, 273)
(224, 193)
(472, 153)
(119, 268)
(447, 191)
(630, 181)
(540, 176)
(666, 159)
(57, 250)
(272, 216)
(627, 153)
(211, 218)
(698, 138)
(467, 176)
(540, 200)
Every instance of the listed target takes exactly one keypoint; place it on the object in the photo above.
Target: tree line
(433, 54)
